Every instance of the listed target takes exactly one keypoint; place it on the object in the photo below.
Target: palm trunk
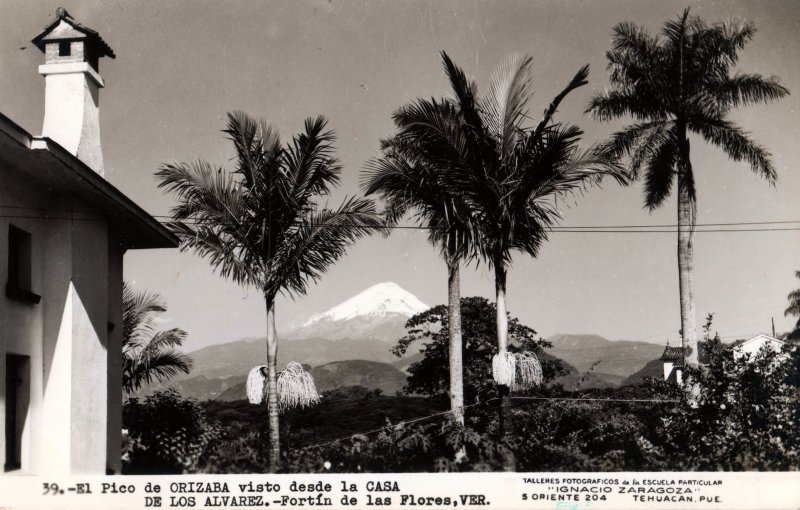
(686, 280)
(455, 345)
(272, 384)
(685, 258)
(502, 342)
(502, 319)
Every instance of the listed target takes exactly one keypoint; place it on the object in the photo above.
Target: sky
(181, 65)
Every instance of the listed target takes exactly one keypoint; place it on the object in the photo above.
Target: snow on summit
(377, 301)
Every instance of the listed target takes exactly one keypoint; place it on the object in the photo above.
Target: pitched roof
(675, 354)
(88, 33)
(672, 354)
(764, 337)
(43, 162)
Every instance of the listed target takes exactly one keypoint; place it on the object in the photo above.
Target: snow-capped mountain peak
(380, 300)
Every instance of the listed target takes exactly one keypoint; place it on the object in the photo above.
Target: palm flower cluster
(295, 386)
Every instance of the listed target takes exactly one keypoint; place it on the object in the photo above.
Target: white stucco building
(64, 231)
(751, 346)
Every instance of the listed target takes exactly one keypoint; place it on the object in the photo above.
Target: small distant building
(673, 361)
(64, 231)
(752, 346)
(673, 364)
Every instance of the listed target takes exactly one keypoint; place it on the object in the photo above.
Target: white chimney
(72, 87)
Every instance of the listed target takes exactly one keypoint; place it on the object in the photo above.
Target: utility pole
(773, 327)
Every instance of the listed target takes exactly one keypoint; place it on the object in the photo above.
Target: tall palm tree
(675, 83)
(148, 355)
(261, 225)
(414, 176)
(517, 173)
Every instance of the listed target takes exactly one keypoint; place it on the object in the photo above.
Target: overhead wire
(763, 226)
(554, 230)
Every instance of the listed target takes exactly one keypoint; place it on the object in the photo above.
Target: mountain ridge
(354, 340)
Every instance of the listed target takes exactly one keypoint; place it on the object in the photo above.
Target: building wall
(21, 324)
(74, 418)
(751, 347)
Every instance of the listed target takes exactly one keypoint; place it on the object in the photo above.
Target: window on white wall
(18, 285)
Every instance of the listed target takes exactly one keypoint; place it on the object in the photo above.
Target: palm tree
(794, 309)
(147, 354)
(673, 84)
(414, 176)
(260, 224)
(517, 172)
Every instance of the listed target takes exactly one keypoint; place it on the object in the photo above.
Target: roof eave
(101, 185)
(158, 236)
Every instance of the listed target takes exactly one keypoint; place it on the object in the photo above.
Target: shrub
(745, 417)
(430, 375)
(167, 435)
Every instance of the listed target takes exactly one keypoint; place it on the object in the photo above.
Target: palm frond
(631, 38)
(747, 89)
(464, 89)
(736, 143)
(609, 105)
(432, 131)
(310, 163)
(205, 193)
(794, 304)
(256, 143)
(661, 171)
(226, 253)
(162, 366)
(137, 311)
(481, 146)
(504, 103)
(165, 339)
(317, 242)
(579, 80)
(636, 141)
(676, 30)
(148, 355)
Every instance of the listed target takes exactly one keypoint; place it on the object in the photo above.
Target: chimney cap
(78, 32)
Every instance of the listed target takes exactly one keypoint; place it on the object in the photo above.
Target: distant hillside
(616, 360)
(237, 358)
(654, 369)
(371, 375)
(200, 387)
(585, 381)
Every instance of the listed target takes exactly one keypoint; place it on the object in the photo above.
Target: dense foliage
(746, 417)
(167, 434)
(428, 376)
